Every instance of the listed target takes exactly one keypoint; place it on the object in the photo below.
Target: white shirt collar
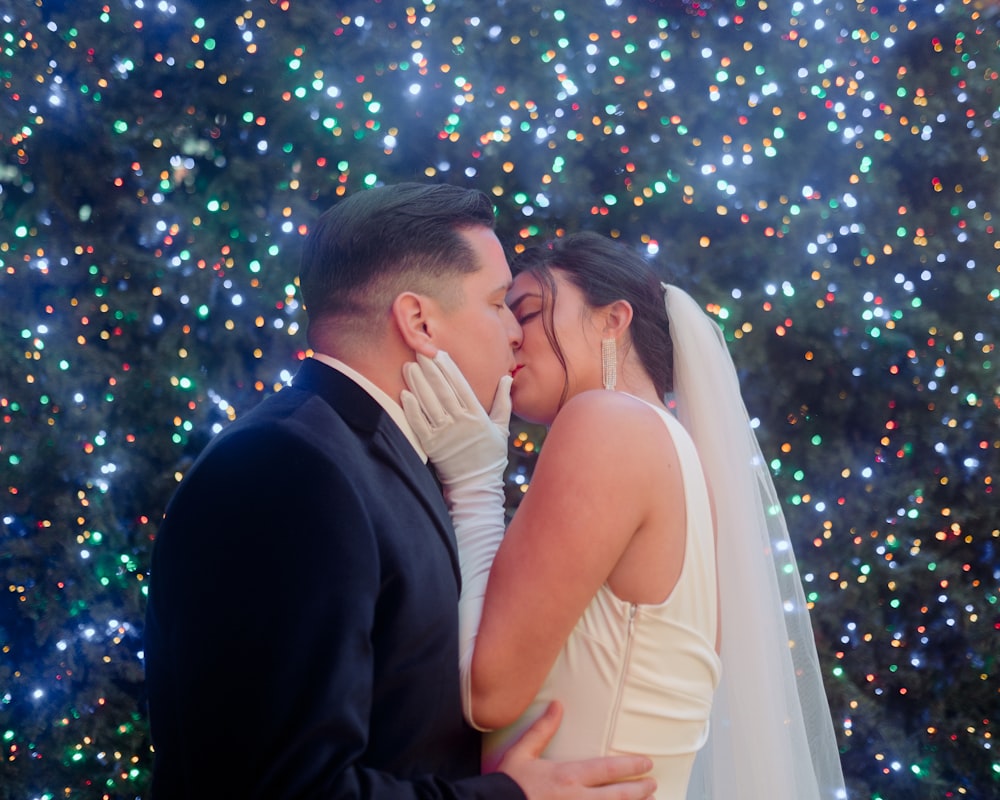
(392, 408)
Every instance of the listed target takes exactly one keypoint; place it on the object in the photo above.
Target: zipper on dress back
(622, 675)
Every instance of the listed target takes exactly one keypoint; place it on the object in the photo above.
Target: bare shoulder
(601, 412)
(601, 422)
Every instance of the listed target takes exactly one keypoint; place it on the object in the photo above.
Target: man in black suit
(301, 633)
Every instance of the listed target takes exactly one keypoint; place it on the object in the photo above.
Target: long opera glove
(468, 449)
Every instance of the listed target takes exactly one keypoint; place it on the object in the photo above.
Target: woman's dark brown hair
(604, 271)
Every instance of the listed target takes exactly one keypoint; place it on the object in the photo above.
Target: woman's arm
(469, 452)
(590, 493)
(605, 461)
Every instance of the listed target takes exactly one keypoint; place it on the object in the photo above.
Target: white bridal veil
(771, 735)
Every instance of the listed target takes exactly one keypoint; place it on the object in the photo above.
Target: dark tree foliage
(820, 175)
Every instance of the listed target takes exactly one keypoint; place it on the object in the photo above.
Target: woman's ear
(411, 314)
(617, 318)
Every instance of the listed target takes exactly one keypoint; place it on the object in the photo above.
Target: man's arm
(609, 778)
(261, 682)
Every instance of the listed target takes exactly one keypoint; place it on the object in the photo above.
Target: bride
(646, 580)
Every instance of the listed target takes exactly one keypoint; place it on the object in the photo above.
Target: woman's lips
(517, 369)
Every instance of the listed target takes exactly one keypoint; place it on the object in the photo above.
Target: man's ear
(617, 318)
(411, 312)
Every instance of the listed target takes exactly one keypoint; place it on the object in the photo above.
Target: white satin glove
(460, 439)
(468, 449)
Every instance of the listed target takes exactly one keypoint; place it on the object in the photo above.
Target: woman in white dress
(646, 580)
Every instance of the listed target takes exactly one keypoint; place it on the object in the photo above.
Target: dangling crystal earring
(609, 362)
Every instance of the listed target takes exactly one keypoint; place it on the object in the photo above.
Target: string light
(728, 92)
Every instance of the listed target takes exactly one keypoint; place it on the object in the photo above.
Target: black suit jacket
(301, 631)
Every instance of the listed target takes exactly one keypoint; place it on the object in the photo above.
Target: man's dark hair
(372, 245)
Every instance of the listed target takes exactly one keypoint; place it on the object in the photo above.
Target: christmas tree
(819, 175)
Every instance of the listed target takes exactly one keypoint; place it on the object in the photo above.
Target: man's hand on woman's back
(606, 778)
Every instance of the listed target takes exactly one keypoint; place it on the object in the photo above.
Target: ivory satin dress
(636, 678)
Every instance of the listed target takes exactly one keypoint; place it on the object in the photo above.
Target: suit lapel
(388, 443)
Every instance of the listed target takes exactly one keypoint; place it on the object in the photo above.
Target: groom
(302, 618)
